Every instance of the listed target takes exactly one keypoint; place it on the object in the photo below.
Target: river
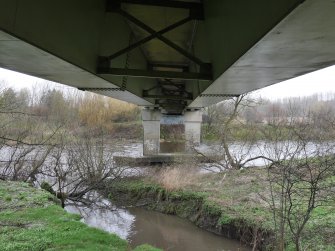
(139, 226)
(168, 232)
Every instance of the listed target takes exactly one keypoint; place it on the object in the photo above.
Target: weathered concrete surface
(61, 41)
(303, 42)
(250, 44)
(192, 122)
(151, 131)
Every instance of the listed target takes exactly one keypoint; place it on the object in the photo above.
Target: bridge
(169, 57)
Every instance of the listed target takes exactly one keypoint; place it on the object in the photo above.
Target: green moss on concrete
(30, 220)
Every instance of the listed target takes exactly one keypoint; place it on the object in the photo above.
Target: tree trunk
(297, 245)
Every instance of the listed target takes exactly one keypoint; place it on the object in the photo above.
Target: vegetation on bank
(234, 204)
(247, 118)
(40, 130)
(25, 114)
(31, 220)
(243, 133)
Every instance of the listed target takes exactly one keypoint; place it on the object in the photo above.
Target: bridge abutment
(151, 131)
(192, 122)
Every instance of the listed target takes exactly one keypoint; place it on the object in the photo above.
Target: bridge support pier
(151, 131)
(192, 122)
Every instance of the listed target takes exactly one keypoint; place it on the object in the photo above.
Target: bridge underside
(171, 55)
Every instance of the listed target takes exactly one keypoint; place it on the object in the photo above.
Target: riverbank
(32, 219)
(233, 204)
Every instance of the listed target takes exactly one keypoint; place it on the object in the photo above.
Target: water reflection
(128, 149)
(140, 226)
(172, 233)
(112, 220)
(172, 147)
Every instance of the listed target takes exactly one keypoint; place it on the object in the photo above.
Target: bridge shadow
(172, 147)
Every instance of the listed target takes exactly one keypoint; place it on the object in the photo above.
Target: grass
(175, 178)
(242, 194)
(30, 220)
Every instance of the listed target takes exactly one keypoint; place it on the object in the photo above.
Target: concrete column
(151, 131)
(192, 122)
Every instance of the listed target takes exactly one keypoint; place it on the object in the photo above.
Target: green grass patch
(30, 221)
(146, 247)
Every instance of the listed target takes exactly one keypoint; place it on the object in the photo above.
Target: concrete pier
(151, 131)
(192, 122)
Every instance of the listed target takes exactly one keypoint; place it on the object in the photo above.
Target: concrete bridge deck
(171, 57)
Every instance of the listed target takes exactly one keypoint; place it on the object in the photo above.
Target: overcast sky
(322, 81)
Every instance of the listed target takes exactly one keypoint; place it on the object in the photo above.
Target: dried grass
(176, 177)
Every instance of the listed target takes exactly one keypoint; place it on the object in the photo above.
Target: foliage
(98, 111)
(269, 113)
(44, 109)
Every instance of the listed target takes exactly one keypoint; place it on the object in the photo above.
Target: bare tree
(33, 149)
(80, 167)
(228, 123)
(300, 174)
(24, 141)
(298, 152)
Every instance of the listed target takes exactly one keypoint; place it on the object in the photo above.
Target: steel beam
(196, 9)
(154, 65)
(164, 3)
(99, 89)
(147, 39)
(154, 74)
(169, 97)
(173, 107)
(164, 39)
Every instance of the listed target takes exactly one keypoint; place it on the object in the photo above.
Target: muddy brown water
(175, 234)
(139, 226)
